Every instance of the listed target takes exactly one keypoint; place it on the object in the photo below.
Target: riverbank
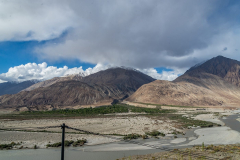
(26, 133)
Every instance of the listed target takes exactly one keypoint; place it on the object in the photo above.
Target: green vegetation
(203, 146)
(159, 105)
(83, 112)
(177, 132)
(144, 136)
(198, 113)
(68, 143)
(132, 136)
(55, 144)
(8, 146)
(191, 122)
(80, 142)
(149, 110)
(155, 133)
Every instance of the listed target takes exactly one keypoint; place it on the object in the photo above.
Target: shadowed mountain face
(225, 68)
(13, 87)
(118, 82)
(213, 83)
(98, 88)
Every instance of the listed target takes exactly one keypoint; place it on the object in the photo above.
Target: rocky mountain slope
(98, 88)
(213, 83)
(14, 87)
(225, 68)
(118, 82)
(54, 80)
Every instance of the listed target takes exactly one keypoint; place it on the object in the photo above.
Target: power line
(197, 155)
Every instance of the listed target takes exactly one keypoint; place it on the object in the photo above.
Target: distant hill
(14, 87)
(101, 87)
(213, 83)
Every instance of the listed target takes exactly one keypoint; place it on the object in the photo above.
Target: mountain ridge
(103, 86)
(213, 83)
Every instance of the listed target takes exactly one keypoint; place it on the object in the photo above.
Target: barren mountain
(14, 87)
(104, 86)
(223, 67)
(66, 93)
(54, 80)
(209, 84)
(118, 82)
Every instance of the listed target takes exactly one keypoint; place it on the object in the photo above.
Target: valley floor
(113, 127)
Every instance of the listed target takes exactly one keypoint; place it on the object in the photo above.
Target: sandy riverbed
(116, 125)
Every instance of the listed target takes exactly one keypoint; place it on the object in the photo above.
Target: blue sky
(160, 38)
(17, 53)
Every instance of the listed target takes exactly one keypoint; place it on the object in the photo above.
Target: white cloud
(31, 71)
(42, 71)
(165, 75)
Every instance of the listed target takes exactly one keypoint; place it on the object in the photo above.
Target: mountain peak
(219, 66)
(225, 68)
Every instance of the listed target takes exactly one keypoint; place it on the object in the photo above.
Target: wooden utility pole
(63, 139)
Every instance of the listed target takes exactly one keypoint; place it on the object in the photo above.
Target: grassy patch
(155, 133)
(198, 113)
(159, 105)
(8, 146)
(85, 112)
(58, 144)
(80, 142)
(191, 122)
(66, 143)
(132, 136)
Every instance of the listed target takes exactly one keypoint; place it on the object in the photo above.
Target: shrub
(8, 146)
(144, 136)
(80, 142)
(131, 136)
(68, 143)
(155, 133)
(54, 144)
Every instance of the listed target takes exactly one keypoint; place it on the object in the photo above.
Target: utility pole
(63, 139)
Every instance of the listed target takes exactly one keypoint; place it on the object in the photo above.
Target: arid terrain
(31, 131)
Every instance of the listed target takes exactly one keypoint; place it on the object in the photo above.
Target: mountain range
(215, 82)
(100, 88)
(15, 87)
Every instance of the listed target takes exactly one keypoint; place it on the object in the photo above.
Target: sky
(162, 38)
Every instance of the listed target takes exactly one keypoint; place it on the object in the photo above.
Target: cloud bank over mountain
(42, 71)
(31, 71)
